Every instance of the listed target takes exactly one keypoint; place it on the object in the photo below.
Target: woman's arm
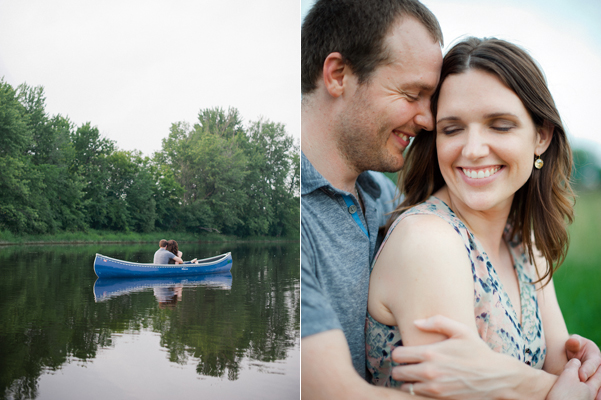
(423, 270)
(178, 259)
(556, 332)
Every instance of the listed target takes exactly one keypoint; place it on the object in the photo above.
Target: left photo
(149, 200)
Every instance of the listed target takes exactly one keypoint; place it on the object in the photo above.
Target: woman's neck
(487, 226)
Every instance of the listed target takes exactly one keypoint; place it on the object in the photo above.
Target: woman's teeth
(481, 173)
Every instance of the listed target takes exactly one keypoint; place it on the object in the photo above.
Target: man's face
(394, 104)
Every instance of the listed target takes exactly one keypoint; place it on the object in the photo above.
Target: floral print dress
(496, 319)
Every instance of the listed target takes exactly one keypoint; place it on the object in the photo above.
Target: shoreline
(113, 238)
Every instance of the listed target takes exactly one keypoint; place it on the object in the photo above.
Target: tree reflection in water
(49, 317)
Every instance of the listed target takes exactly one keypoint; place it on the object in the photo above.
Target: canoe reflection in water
(167, 290)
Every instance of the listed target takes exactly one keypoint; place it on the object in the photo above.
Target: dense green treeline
(214, 176)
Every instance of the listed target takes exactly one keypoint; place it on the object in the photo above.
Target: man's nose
(424, 118)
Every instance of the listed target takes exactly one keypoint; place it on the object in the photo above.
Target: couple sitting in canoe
(168, 253)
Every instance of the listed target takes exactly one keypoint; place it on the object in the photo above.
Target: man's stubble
(363, 136)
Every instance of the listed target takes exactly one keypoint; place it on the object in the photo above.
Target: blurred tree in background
(587, 171)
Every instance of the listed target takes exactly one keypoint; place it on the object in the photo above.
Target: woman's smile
(485, 140)
(480, 173)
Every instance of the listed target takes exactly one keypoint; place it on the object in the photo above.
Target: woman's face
(485, 140)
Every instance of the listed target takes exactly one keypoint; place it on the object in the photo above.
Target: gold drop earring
(538, 163)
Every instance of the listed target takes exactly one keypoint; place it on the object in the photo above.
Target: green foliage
(216, 176)
(166, 195)
(21, 183)
(14, 134)
(234, 181)
(91, 163)
(140, 196)
(270, 154)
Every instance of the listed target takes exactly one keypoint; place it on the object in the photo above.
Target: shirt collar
(312, 180)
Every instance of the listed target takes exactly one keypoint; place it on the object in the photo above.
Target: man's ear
(335, 70)
(544, 135)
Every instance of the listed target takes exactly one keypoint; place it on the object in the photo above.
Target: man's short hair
(162, 243)
(357, 30)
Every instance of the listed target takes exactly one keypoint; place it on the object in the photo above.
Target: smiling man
(354, 122)
(369, 69)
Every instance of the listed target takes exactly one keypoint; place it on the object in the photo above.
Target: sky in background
(564, 36)
(134, 67)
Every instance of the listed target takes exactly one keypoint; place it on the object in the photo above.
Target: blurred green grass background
(578, 280)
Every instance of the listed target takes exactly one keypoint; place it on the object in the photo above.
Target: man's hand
(569, 387)
(464, 367)
(587, 352)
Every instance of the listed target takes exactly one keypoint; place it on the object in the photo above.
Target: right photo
(450, 199)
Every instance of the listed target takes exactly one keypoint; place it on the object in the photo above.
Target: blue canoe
(107, 267)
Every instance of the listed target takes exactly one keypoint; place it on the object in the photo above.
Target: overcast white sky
(564, 36)
(134, 67)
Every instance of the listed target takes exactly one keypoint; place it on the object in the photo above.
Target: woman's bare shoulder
(423, 228)
(421, 242)
(423, 258)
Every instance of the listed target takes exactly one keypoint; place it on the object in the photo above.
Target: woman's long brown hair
(543, 207)
(173, 247)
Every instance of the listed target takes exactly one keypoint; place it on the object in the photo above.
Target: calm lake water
(65, 335)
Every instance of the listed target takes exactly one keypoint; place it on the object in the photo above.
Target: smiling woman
(485, 140)
(465, 242)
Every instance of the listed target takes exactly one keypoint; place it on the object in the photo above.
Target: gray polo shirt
(337, 253)
(162, 256)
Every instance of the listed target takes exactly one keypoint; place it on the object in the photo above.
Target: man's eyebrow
(422, 86)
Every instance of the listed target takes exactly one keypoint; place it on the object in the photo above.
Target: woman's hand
(569, 386)
(587, 352)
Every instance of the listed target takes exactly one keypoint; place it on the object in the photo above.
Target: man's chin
(379, 162)
(392, 165)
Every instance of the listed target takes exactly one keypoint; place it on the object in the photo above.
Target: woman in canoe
(483, 224)
(174, 248)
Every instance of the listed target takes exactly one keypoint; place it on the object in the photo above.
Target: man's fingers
(407, 373)
(410, 354)
(415, 386)
(444, 325)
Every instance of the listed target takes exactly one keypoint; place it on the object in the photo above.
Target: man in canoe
(368, 71)
(162, 255)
